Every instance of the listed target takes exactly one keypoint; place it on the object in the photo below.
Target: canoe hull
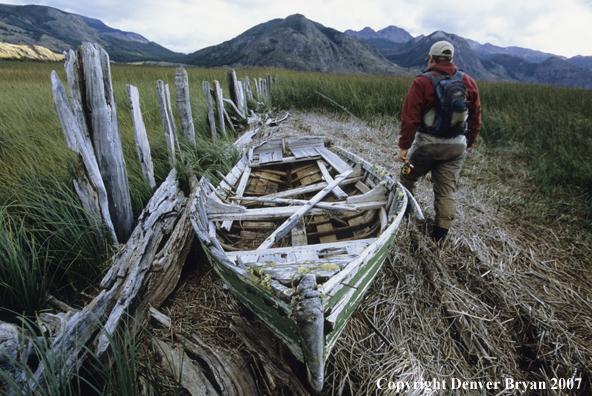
(307, 319)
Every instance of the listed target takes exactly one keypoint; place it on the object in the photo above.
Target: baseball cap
(442, 48)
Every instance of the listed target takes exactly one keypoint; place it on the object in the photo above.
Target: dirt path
(499, 303)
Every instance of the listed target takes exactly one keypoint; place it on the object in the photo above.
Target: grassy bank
(47, 243)
(537, 142)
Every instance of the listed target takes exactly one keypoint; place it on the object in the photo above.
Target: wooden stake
(169, 133)
(210, 109)
(101, 111)
(142, 145)
(184, 104)
(218, 97)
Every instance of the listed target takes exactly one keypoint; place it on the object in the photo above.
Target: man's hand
(402, 156)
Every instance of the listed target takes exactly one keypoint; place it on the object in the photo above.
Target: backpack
(450, 109)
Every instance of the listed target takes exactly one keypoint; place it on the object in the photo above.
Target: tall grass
(117, 374)
(553, 124)
(46, 234)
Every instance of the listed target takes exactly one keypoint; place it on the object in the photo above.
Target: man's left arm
(474, 103)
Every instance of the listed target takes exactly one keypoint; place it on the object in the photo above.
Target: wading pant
(445, 162)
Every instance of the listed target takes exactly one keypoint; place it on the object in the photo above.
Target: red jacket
(421, 97)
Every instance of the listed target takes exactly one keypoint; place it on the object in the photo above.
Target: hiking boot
(439, 234)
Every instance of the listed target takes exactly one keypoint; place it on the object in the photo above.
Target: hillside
(295, 43)
(59, 31)
(412, 55)
(36, 52)
(299, 44)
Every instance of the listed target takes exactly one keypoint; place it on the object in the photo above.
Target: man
(428, 152)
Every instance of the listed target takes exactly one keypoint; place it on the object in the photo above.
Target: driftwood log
(162, 238)
(278, 372)
(142, 145)
(90, 186)
(210, 109)
(184, 104)
(101, 115)
(168, 123)
(219, 100)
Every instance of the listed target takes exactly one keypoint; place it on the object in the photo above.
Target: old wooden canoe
(298, 232)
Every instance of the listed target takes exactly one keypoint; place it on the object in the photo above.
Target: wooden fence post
(247, 87)
(167, 121)
(142, 145)
(219, 106)
(268, 82)
(90, 186)
(184, 104)
(210, 109)
(234, 91)
(101, 115)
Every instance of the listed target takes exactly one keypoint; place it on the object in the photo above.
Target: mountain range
(298, 43)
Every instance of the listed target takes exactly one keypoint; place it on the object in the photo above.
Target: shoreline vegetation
(533, 160)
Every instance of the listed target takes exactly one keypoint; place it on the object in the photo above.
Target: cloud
(190, 25)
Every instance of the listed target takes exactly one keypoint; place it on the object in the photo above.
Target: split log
(247, 88)
(129, 283)
(90, 186)
(273, 364)
(228, 368)
(14, 350)
(184, 104)
(218, 98)
(142, 145)
(105, 135)
(236, 110)
(179, 365)
(167, 121)
(210, 109)
(235, 92)
(101, 113)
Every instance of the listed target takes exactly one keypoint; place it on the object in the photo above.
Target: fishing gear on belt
(406, 169)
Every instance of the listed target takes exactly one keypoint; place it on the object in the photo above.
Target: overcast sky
(557, 27)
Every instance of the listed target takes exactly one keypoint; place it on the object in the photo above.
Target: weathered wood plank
(177, 364)
(105, 135)
(210, 109)
(337, 191)
(293, 220)
(228, 367)
(234, 92)
(169, 133)
(142, 145)
(184, 104)
(282, 201)
(333, 159)
(242, 185)
(299, 234)
(72, 129)
(219, 100)
(378, 193)
(272, 363)
(351, 247)
(282, 212)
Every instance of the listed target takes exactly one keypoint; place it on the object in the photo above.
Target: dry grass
(501, 299)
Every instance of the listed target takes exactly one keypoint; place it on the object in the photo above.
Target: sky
(556, 27)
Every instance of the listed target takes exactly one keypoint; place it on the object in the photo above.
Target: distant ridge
(300, 44)
(295, 43)
(58, 31)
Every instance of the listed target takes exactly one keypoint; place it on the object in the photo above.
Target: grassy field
(538, 141)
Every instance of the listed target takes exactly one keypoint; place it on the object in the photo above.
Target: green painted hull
(339, 296)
